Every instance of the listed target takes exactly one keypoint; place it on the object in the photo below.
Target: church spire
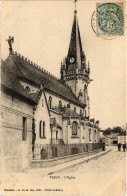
(75, 55)
(74, 70)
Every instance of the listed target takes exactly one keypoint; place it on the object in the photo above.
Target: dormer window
(27, 88)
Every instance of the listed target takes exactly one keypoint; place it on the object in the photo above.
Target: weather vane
(10, 41)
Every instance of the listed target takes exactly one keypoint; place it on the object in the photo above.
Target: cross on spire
(75, 1)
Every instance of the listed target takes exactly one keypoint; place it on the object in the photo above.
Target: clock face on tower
(72, 60)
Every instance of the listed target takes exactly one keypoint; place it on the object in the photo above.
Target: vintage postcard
(63, 97)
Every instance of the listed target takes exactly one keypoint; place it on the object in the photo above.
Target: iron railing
(57, 141)
(50, 151)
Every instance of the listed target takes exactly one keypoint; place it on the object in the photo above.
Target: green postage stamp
(110, 19)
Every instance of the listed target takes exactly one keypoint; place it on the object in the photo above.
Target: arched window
(89, 134)
(85, 88)
(60, 104)
(42, 129)
(56, 134)
(74, 128)
(50, 102)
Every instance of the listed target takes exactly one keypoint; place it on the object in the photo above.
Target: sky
(42, 30)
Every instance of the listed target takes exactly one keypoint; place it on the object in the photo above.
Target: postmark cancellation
(110, 19)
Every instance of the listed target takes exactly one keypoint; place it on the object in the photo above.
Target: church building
(55, 118)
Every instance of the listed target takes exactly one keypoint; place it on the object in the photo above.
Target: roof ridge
(41, 69)
(35, 65)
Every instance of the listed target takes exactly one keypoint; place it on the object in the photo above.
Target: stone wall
(59, 160)
(16, 153)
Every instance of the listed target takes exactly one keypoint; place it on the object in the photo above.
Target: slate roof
(23, 69)
(11, 83)
(66, 112)
(75, 47)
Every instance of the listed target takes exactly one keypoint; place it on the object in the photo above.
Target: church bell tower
(75, 70)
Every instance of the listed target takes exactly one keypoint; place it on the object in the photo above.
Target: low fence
(50, 151)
